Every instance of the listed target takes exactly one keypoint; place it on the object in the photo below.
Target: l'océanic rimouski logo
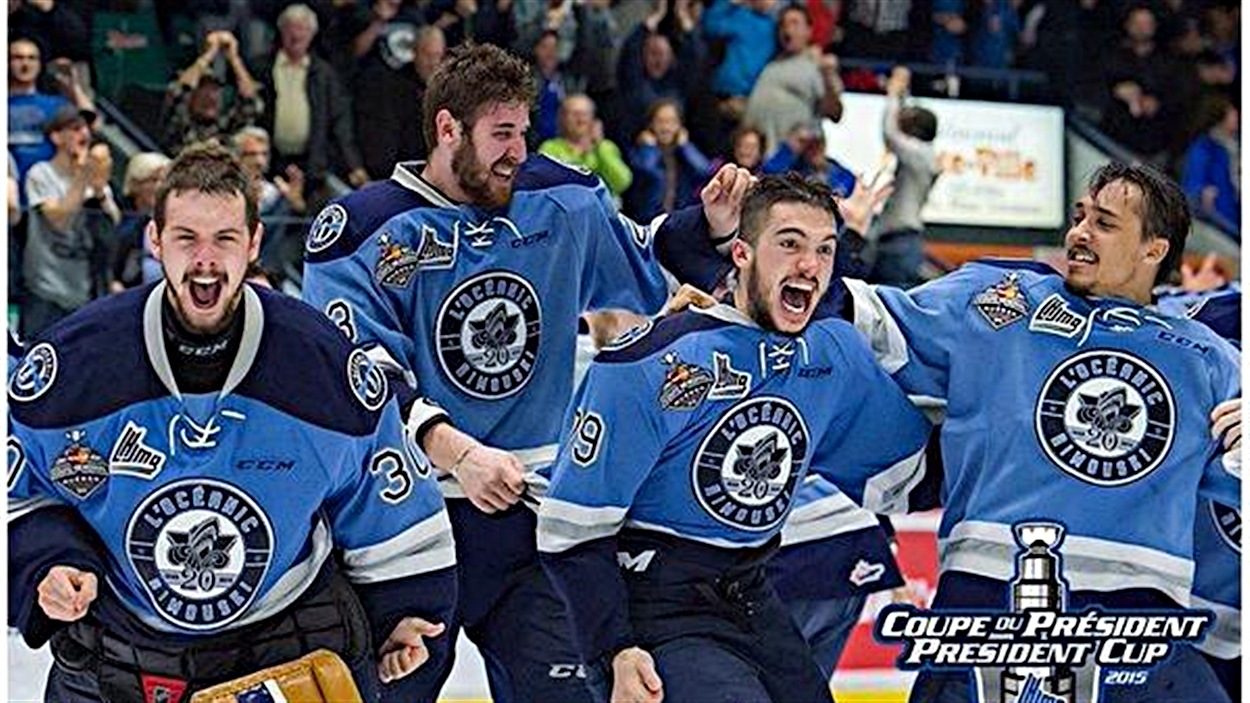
(1106, 417)
(201, 549)
(746, 470)
(488, 332)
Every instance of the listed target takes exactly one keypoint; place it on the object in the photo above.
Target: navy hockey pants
(715, 626)
(510, 610)
(827, 625)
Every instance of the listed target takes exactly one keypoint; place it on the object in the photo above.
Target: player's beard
(757, 300)
(473, 177)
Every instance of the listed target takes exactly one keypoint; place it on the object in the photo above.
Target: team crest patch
(685, 385)
(131, 457)
(367, 380)
(1106, 417)
(1227, 521)
(79, 469)
(1002, 303)
(747, 468)
(201, 549)
(434, 253)
(34, 376)
(487, 334)
(729, 383)
(325, 230)
(1054, 316)
(396, 262)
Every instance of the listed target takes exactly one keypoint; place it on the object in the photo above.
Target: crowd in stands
(651, 95)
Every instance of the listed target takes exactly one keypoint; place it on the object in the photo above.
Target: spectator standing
(800, 86)
(648, 66)
(310, 108)
(996, 24)
(803, 151)
(534, 18)
(909, 133)
(553, 84)
(581, 143)
(878, 29)
(65, 193)
(56, 25)
(1211, 175)
(950, 27)
(195, 109)
(280, 199)
(668, 168)
(748, 28)
(30, 109)
(1141, 113)
(133, 263)
(396, 54)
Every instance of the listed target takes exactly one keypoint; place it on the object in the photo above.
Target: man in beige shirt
(311, 110)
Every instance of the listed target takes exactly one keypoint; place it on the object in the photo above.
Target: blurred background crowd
(652, 95)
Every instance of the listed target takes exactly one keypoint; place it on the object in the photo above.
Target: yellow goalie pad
(319, 677)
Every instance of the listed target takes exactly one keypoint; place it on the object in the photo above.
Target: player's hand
(722, 198)
(358, 177)
(862, 204)
(404, 651)
(492, 479)
(65, 593)
(634, 678)
(686, 296)
(899, 81)
(1226, 423)
(1206, 277)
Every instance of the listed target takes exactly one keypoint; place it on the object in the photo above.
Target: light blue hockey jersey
(1217, 533)
(218, 510)
(481, 307)
(704, 428)
(1092, 412)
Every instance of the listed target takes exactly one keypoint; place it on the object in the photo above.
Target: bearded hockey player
(226, 489)
(687, 450)
(468, 273)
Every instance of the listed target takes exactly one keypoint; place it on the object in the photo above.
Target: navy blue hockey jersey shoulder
(308, 369)
(656, 336)
(344, 224)
(87, 365)
(540, 172)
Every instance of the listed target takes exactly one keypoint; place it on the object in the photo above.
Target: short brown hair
(209, 168)
(775, 189)
(472, 77)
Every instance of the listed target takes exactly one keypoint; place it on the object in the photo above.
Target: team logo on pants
(1106, 417)
(488, 333)
(747, 467)
(201, 549)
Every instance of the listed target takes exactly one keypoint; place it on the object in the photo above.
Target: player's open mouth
(504, 172)
(205, 291)
(1081, 255)
(796, 296)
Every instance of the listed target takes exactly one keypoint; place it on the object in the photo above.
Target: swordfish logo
(131, 457)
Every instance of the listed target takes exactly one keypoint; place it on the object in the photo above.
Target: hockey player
(468, 273)
(1107, 420)
(225, 489)
(687, 448)
(1217, 533)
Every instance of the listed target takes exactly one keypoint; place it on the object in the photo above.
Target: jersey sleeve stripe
(563, 525)
(424, 547)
